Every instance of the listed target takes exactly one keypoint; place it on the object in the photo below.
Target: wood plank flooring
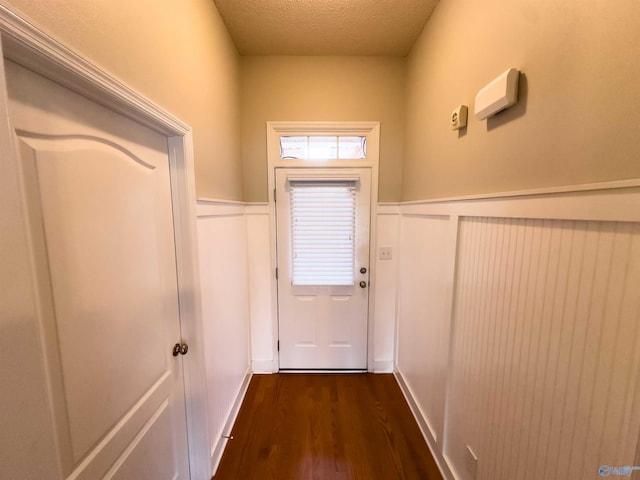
(326, 427)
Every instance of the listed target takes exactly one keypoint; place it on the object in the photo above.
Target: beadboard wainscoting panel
(544, 376)
(533, 300)
(261, 287)
(385, 288)
(222, 243)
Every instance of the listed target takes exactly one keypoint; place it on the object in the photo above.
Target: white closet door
(98, 209)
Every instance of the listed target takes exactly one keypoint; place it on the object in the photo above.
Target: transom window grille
(323, 230)
(323, 148)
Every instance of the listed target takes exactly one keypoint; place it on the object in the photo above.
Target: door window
(323, 225)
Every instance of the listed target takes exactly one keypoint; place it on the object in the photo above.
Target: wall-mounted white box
(497, 95)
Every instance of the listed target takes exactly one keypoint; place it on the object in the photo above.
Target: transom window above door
(313, 147)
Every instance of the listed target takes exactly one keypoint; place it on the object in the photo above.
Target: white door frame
(369, 129)
(23, 43)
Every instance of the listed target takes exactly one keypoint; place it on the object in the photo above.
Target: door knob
(180, 349)
(363, 270)
(363, 284)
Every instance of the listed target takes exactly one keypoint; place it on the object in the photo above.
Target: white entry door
(323, 218)
(99, 214)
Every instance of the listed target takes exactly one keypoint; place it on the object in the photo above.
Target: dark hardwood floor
(326, 427)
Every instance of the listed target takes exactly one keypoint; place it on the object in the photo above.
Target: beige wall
(579, 114)
(575, 123)
(176, 53)
(322, 88)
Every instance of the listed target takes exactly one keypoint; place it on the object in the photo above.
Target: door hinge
(276, 273)
(274, 195)
(278, 345)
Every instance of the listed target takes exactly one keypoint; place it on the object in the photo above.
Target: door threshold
(321, 370)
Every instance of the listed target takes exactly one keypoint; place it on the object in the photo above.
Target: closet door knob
(180, 349)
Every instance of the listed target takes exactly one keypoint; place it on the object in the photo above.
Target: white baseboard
(221, 443)
(424, 428)
(382, 366)
(262, 366)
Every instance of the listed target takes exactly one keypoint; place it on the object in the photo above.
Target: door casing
(277, 129)
(23, 43)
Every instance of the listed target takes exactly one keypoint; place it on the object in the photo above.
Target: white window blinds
(323, 228)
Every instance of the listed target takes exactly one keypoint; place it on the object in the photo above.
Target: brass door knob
(180, 349)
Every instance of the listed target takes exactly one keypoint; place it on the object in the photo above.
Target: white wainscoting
(263, 303)
(425, 287)
(224, 272)
(384, 289)
(519, 330)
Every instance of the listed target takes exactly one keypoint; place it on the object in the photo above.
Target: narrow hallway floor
(326, 427)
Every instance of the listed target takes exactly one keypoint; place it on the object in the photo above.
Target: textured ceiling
(325, 27)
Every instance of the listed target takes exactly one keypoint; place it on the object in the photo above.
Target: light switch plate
(385, 253)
